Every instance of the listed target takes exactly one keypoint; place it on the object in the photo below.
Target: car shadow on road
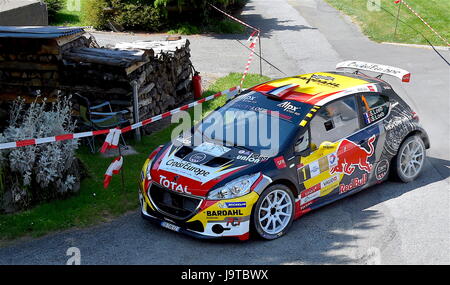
(441, 165)
(345, 232)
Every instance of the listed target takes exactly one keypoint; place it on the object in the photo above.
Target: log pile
(165, 82)
(27, 63)
(76, 64)
(162, 71)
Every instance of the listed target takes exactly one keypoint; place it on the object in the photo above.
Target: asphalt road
(392, 223)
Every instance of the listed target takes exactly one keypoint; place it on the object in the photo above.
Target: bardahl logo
(188, 166)
(224, 213)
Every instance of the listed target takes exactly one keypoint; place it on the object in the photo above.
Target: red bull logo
(355, 183)
(351, 155)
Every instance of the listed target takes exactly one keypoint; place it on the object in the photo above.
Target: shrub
(95, 11)
(158, 14)
(131, 14)
(139, 15)
(42, 172)
(53, 7)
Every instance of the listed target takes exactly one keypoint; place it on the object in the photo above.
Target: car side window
(374, 106)
(334, 121)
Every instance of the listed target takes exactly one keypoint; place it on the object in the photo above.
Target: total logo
(173, 185)
(288, 107)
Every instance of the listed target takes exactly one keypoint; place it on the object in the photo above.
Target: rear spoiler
(402, 74)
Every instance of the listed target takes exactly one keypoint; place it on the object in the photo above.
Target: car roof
(320, 88)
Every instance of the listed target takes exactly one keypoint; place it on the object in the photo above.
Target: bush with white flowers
(31, 174)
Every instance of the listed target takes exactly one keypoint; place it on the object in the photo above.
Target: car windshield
(255, 122)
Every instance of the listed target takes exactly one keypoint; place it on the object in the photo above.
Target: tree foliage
(53, 7)
(152, 15)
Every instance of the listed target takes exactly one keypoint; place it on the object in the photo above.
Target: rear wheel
(410, 159)
(274, 212)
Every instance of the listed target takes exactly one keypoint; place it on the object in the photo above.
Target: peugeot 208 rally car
(339, 133)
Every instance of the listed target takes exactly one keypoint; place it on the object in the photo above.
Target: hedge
(152, 15)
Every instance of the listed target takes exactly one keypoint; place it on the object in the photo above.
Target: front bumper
(213, 219)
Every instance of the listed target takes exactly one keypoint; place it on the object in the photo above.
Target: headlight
(236, 188)
(147, 172)
(149, 164)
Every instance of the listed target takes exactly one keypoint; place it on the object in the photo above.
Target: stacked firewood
(33, 63)
(164, 82)
(160, 69)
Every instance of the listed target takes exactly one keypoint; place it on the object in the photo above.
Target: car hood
(197, 169)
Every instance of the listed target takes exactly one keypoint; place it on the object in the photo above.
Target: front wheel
(274, 212)
(410, 159)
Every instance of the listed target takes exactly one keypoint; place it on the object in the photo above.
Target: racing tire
(273, 214)
(410, 158)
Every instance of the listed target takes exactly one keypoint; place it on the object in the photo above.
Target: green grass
(93, 204)
(184, 29)
(219, 27)
(226, 26)
(67, 17)
(380, 26)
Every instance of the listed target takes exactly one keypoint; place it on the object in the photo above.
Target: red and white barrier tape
(51, 139)
(114, 168)
(230, 92)
(252, 40)
(235, 19)
(113, 135)
(112, 139)
(418, 16)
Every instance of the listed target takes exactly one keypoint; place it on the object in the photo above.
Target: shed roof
(38, 32)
